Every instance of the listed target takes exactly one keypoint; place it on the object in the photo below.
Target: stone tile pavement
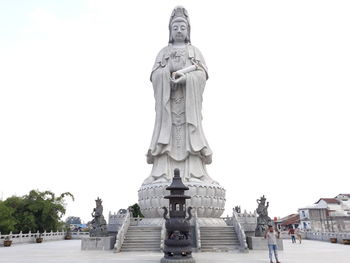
(68, 251)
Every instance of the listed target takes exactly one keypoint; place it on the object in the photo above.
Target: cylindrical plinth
(208, 199)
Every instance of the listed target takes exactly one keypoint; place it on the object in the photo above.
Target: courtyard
(69, 252)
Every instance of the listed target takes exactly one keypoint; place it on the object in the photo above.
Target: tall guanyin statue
(178, 77)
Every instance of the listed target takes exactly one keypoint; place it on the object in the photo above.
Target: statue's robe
(178, 139)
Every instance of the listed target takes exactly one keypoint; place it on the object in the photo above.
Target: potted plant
(39, 239)
(68, 235)
(333, 240)
(7, 241)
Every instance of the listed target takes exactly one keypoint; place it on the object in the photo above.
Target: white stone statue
(178, 77)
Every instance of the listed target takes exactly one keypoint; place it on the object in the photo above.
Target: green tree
(25, 219)
(7, 221)
(37, 211)
(136, 211)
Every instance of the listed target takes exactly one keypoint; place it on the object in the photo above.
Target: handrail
(21, 238)
(240, 232)
(162, 236)
(197, 230)
(122, 232)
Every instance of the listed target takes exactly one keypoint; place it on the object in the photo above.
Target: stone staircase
(142, 238)
(219, 238)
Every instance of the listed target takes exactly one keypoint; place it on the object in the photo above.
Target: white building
(333, 205)
(345, 202)
(327, 214)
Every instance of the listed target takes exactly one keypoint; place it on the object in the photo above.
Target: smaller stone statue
(99, 225)
(238, 209)
(263, 219)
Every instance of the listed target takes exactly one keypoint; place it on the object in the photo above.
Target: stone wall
(326, 236)
(248, 222)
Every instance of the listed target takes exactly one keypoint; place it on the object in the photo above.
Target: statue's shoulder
(163, 53)
(194, 52)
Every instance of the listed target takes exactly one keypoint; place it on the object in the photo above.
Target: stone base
(177, 260)
(208, 199)
(260, 243)
(98, 243)
(203, 221)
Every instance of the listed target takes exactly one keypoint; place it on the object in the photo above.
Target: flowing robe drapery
(178, 139)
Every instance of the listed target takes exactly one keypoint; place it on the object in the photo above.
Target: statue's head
(98, 201)
(179, 26)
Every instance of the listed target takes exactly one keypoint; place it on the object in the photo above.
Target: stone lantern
(177, 243)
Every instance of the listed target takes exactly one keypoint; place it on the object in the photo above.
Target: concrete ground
(68, 251)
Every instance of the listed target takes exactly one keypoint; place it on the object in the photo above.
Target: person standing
(298, 233)
(291, 232)
(271, 235)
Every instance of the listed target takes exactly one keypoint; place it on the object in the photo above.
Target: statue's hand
(178, 79)
(207, 159)
(150, 158)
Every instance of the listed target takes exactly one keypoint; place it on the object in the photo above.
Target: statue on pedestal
(263, 219)
(99, 224)
(178, 77)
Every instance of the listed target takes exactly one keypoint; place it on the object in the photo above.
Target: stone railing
(240, 232)
(197, 231)
(228, 220)
(122, 232)
(135, 221)
(326, 236)
(79, 234)
(248, 221)
(30, 237)
(162, 236)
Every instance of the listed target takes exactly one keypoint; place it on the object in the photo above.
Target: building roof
(291, 220)
(348, 195)
(329, 200)
(312, 208)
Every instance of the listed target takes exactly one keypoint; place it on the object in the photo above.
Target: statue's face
(179, 31)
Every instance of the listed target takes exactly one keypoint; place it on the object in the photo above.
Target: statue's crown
(179, 13)
(98, 200)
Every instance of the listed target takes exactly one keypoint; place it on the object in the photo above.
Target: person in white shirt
(271, 235)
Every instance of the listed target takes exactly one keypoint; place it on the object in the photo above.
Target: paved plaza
(68, 251)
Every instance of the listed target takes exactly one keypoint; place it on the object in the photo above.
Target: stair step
(142, 239)
(220, 238)
(217, 239)
(139, 249)
(141, 246)
(151, 242)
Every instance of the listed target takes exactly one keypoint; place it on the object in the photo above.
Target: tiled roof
(329, 201)
(295, 219)
(348, 195)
